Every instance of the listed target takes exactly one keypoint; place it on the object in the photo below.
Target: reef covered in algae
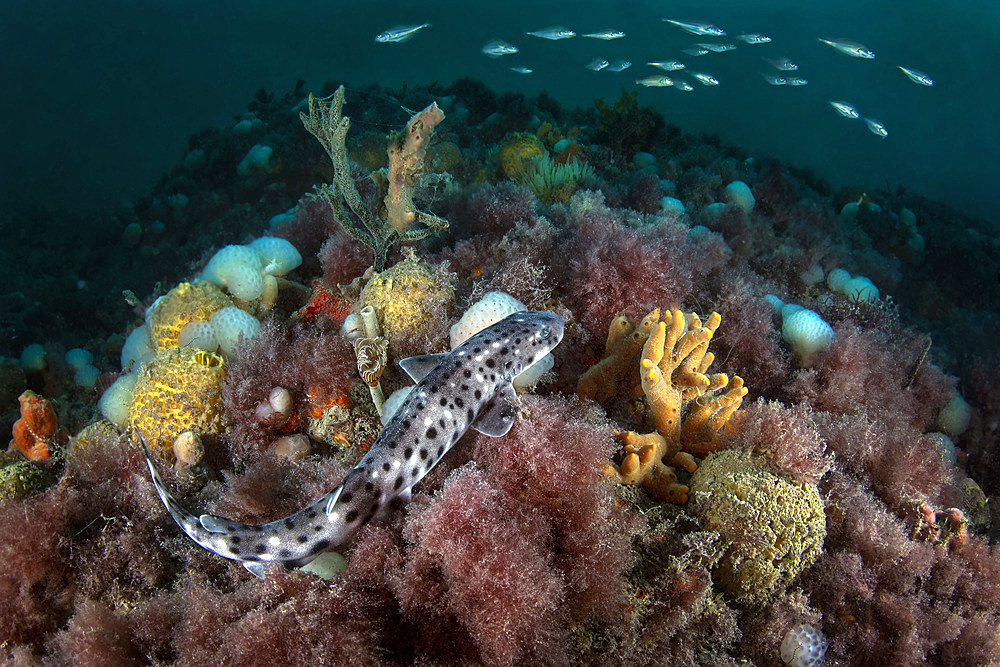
(682, 487)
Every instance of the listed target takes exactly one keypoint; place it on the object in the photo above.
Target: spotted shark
(469, 387)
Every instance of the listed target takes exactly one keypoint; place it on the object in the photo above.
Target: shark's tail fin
(198, 528)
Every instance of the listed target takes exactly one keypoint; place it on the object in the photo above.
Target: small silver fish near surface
(717, 48)
(796, 81)
(520, 69)
(876, 127)
(497, 47)
(655, 81)
(705, 79)
(597, 64)
(916, 76)
(695, 51)
(553, 33)
(606, 34)
(470, 387)
(774, 79)
(698, 28)
(667, 65)
(619, 66)
(753, 38)
(849, 48)
(400, 33)
(683, 85)
(846, 110)
(781, 64)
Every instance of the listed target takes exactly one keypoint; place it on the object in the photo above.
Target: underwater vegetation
(767, 429)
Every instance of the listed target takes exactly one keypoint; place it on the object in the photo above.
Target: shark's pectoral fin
(497, 418)
(255, 568)
(419, 366)
(330, 499)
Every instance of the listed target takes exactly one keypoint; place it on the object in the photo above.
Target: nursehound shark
(469, 387)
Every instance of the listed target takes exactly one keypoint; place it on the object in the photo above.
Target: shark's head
(532, 334)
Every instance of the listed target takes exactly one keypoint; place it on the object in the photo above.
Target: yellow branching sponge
(774, 528)
(188, 302)
(179, 390)
(624, 344)
(673, 375)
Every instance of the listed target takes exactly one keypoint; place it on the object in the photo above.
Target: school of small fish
(784, 71)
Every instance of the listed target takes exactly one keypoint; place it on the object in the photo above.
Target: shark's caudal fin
(198, 528)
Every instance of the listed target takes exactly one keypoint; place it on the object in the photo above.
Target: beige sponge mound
(774, 528)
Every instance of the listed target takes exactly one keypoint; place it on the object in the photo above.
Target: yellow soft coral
(673, 374)
(179, 390)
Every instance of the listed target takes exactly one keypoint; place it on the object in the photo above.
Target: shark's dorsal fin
(419, 366)
(497, 417)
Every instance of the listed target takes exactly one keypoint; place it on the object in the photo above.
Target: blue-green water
(99, 98)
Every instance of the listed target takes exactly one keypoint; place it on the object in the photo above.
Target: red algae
(518, 550)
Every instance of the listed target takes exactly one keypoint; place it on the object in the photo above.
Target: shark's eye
(545, 333)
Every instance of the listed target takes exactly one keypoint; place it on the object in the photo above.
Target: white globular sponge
(856, 288)
(237, 268)
(137, 348)
(278, 256)
(954, 417)
(739, 195)
(803, 646)
(256, 161)
(116, 399)
(244, 269)
(198, 334)
(484, 313)
(806, 333)
(231, 325)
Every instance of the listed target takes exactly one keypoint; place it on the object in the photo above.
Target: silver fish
(619, 66)
(796, 81)
(553, 33)
(846, 110)
(597, 64)
(469, 387)
(497, 47)
(705, 79)
(753, 38)
(667, 65)
(849, 48)
(774, 79)
(916, 76)
(683, 85)
(695, 51)
(698, 28)
(606, 34)
(782, 64)
(520, 69)
(399, 33)
(716, 48)
(876, 127)
(655, 81)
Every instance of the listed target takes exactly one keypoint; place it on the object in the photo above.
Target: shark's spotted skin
(468, 387)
